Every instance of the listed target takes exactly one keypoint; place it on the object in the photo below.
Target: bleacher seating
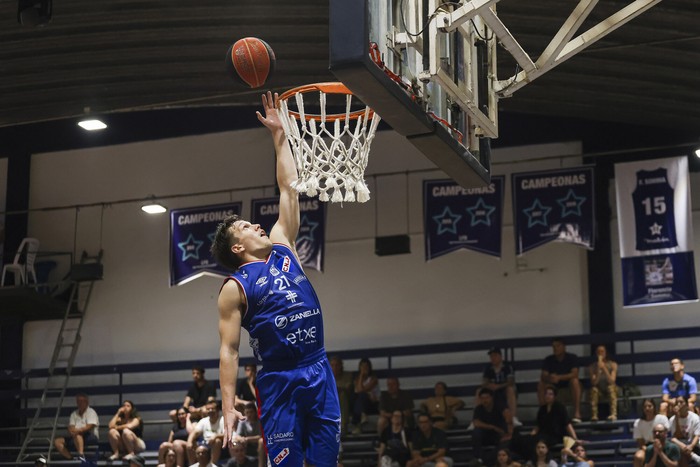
(157, 387)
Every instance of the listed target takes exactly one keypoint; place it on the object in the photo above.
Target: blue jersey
(283, 314)
(653, 211)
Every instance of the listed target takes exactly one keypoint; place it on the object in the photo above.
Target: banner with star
(191, 234)
(311, 239)
(654, 218)
(553, 205)
(456, 217)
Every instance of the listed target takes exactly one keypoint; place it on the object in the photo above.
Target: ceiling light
(153, 208)
(697, 152)
(92, 125)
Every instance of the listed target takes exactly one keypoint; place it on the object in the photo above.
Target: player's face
(249, 237)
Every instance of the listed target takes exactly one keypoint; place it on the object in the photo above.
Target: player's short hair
(221, 246)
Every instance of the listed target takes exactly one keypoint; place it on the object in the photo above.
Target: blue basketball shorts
(300, 415)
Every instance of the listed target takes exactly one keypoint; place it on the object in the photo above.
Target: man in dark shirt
(493, 424)
(429, 444)
(198, 395)
(394, 399)
(662, 452)
(561, 370)
(500, 378)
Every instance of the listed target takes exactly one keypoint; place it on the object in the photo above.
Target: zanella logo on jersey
(281, 322)
(304, 314)
(262, 281)
(286, 263)
(280, 457)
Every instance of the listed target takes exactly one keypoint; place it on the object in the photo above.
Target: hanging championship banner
(656, 232)
(312, 227)
(553, 205)
(456, 217)
(191, 235)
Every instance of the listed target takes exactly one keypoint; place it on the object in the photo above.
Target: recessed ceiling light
(92, 125)
(153, 208)
(697, 152)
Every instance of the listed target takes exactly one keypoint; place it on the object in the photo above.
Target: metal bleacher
(157, 387)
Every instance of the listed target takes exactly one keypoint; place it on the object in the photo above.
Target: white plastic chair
(23, 270)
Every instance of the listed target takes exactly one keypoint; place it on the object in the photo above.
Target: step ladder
(82, 280)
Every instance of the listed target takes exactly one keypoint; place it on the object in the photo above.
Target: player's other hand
(230, 421)
(271, 119)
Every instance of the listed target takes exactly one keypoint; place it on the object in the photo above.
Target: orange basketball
(250, 61)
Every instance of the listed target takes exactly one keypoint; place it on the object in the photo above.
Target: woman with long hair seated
(125, 430)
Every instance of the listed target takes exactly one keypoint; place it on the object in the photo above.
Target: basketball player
(269, 295)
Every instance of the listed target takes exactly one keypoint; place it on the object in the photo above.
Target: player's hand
(230, 419)
(271, 119)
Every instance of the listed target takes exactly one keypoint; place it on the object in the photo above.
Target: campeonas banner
(312, 227)
(457, 217)
(191, 234)
(554, 205)
(656, 232)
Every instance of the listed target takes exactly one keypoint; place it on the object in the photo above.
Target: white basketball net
(331, 156)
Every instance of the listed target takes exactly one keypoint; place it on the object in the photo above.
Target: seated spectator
(575, 456)
(500, 378)
(678, 384)
(643, 431)
(246, 388)
(125, 431)
(239, 457)
(169, 459)
(83, 427)
(394, 398)
(249, 432)
(366, 394)
(542, 457)
(197, 396)
(662, 452)
(685, 432)
(203, 456)
(394, 449)
(493, 425)
(344, 383)
(603, 374)
(504, 459)
(429, 445)
(177, 440)
(442, 407)
(561, 370)
(208, 433)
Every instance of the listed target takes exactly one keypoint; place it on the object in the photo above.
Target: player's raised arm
(287, 226)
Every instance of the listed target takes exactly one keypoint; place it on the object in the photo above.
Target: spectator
(442, 407)
(500, 378)
(662, 452)
(344, 383)
(679, 384)
(177, 440)
(504, 459)
(249, 434)
(169, 459)
(429, 445)
(493, 425)
(685, 431)
(394, 450)
(643, 431)
(239, 457)
(137, 461)
(246, 388)
(542, 458)
(575, 456)
(553, 422)
(203, 456)
(83, 427)
(561, 370)
(125, 431)
(197, 396)
(209, 433)
(603, 374)
(366, 394)
(394, 398)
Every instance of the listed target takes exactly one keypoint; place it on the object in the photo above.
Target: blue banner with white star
(191, 234)
(456, 217)
(655, 222)
(311, 239)
(553, 205)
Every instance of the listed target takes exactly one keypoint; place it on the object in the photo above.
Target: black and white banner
(311, 239)
(457, 217)
(656, 232)
(554, 205)
(191, 234)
